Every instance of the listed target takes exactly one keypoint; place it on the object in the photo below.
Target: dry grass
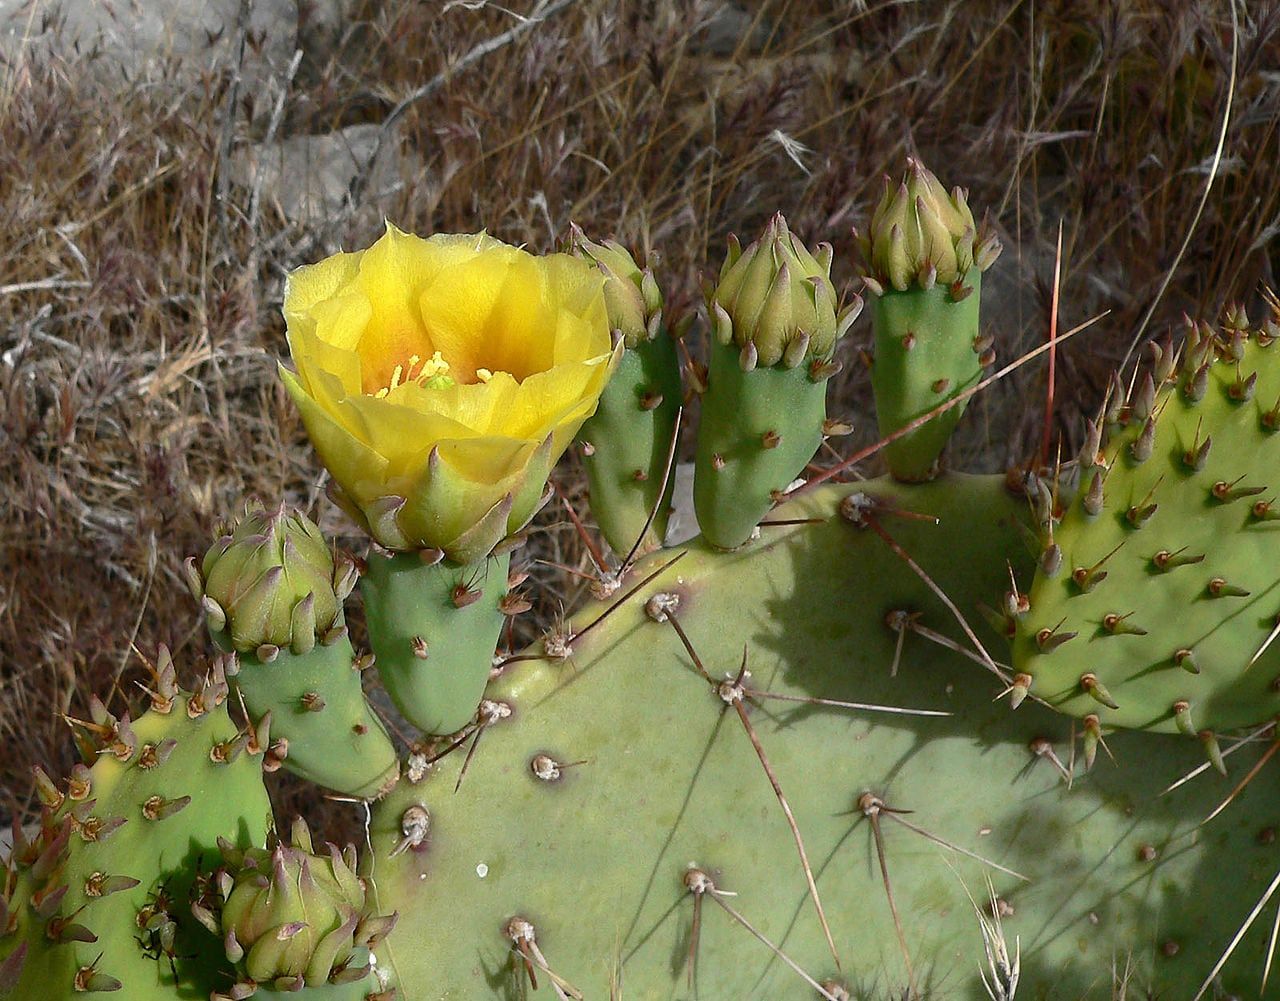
(139, 312)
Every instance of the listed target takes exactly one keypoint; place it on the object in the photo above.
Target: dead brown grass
(139, 321)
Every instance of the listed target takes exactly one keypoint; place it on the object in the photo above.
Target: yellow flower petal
(492, 311)
(361, 325)
(343, 320)
(360, 470)
(401, 435)
(317, 283)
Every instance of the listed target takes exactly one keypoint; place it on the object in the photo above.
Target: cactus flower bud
(921, 235)
(271, 582)
(632, 298)
(292, 919)
(775, 300)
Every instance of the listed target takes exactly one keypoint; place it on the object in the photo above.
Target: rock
(729, 27)
(307, 177)
(137, 37)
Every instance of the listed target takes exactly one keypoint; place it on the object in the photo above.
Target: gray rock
(730, 27)
(307, 177)
(137, 37)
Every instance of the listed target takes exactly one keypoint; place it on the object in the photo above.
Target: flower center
(430, 373)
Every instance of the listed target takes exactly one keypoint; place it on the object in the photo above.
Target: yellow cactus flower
(440, 379)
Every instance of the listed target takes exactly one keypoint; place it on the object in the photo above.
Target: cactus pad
(1163, 590)
(434, 627)
(97, 899)
(617, 827)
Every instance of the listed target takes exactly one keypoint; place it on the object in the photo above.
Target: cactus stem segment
(1093, 739)
(1219, 587)
(1244, 782)
(1118, 625)
(1087, 578)
(1213, 751)
(415, 825)
(1049, 639)
(1265, 510)
(1097, 690)
(1195, 457)
(1094, 498)
(1019, 690)
(545, 768)
(1165, 561)
(1228, 492)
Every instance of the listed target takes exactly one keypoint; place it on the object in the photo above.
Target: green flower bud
(271, 582)
(776, 302)
(632, 298)
(920, 235)
(291, 919)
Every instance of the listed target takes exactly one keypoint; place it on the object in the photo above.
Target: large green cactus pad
(657, 773)
(1168, 576)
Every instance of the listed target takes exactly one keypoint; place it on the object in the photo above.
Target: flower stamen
(432, 373)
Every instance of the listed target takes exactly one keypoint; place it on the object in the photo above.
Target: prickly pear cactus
(97, 900)
(1155, 601)
(788, 760)
(619, 830)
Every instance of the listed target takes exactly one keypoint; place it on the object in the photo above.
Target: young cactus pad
(927, 351)
(625, 446)
(926, 260)
(603, 822)
(1157, 608)
(776, 323)
(434, 627)
(294, 921)
(272, 593)
(626, 443)
(98, 899)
